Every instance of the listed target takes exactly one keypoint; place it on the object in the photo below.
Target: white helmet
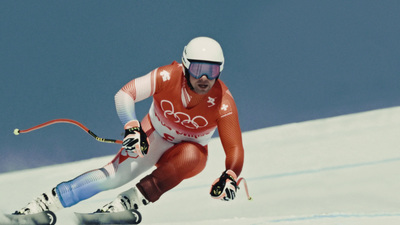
(203, 49)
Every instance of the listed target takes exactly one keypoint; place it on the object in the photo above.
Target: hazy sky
(286, 61)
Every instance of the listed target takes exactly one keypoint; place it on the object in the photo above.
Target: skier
(189, 103)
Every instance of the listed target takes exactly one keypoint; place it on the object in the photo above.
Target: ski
(125, 217)
(41, 218)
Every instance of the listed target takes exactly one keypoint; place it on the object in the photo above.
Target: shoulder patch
(165, 75)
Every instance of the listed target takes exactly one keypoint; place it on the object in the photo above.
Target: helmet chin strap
(186, 71)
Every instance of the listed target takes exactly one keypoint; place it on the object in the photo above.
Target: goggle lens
(199, 69)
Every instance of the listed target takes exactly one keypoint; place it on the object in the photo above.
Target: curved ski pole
(105, 140)
(245, 187)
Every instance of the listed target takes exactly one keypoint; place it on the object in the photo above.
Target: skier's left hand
(135, 139)
(225, 187)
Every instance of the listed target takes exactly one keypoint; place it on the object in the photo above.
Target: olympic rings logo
(182, 118)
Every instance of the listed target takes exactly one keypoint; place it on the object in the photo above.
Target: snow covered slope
(340, 170)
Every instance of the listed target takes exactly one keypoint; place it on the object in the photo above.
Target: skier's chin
(202, 89)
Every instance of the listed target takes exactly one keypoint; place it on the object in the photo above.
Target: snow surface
(340, 170)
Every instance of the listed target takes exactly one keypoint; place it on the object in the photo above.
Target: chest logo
(181, 117)
(211, 101)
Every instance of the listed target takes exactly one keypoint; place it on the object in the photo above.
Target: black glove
(135, 138)
(225, 187)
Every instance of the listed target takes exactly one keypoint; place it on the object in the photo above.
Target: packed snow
(340, 170)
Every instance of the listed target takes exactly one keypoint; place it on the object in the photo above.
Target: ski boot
(45, 202)
(130, 199)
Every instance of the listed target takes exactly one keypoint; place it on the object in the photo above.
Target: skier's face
(202, 85)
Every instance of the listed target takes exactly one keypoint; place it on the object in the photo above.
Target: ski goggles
(198, 69)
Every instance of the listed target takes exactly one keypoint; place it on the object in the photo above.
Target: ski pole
(245, 187)
(105, 140)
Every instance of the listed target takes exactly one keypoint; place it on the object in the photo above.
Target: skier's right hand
(135, 139)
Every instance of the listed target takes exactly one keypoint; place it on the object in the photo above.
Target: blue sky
(286, 61)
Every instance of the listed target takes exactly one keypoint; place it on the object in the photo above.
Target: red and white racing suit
(180, 123)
